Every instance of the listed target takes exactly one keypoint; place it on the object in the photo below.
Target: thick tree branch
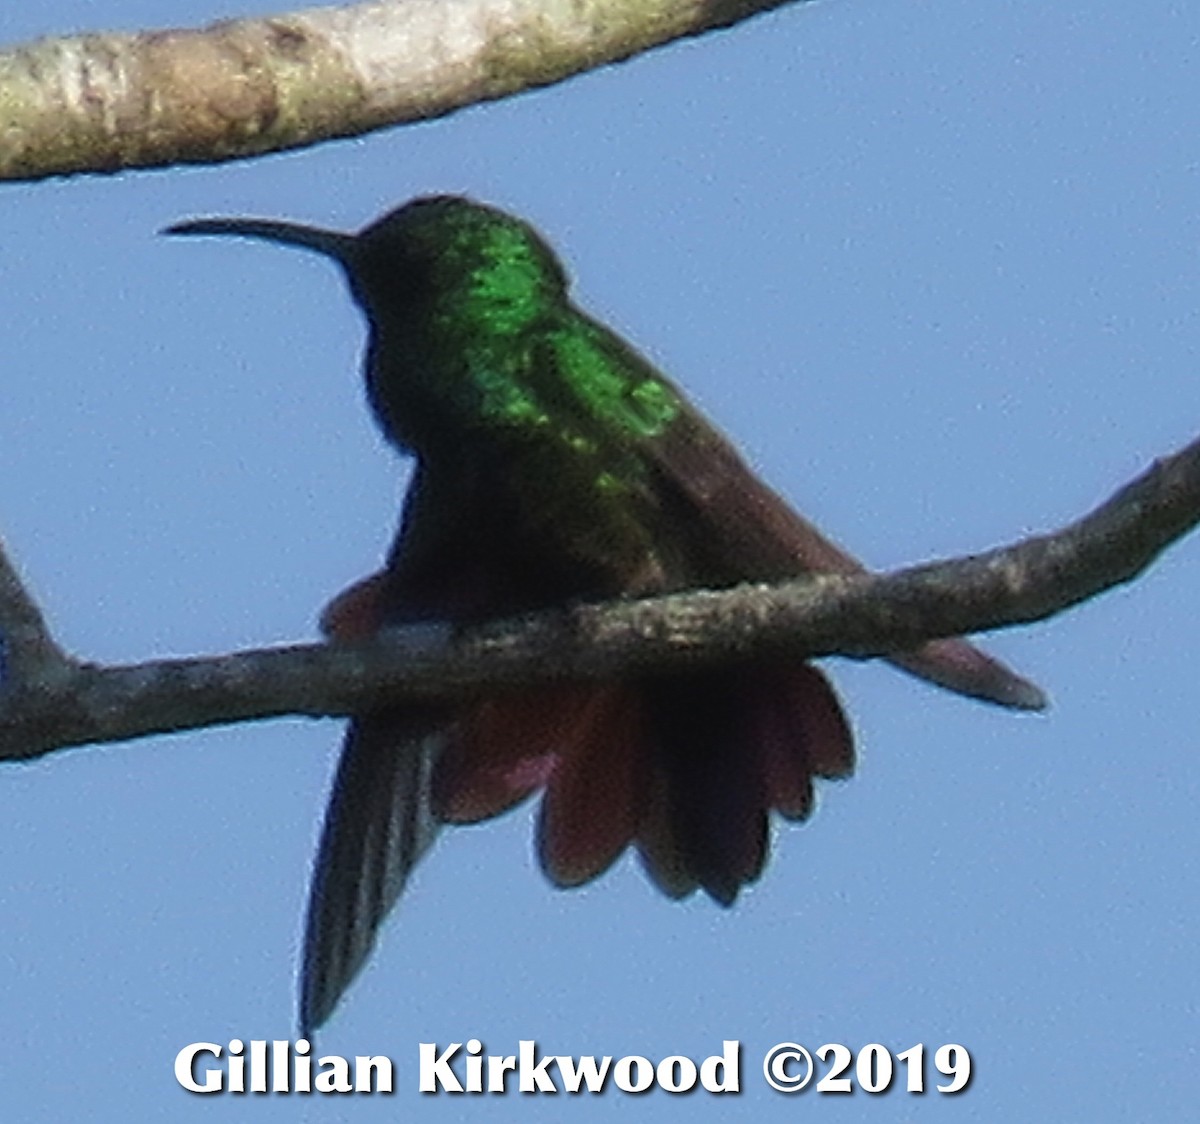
(106, 102)
(75, 704)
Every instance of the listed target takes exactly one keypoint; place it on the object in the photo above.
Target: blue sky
(936, 267)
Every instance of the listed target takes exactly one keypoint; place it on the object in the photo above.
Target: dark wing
(454, 559)
(745, 531)
(378, 825)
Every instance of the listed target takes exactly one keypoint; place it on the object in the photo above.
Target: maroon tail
(729, 747)
(685, 768)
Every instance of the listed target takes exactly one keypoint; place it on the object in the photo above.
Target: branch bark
(238, 88)
(27, 651)
(53, 702)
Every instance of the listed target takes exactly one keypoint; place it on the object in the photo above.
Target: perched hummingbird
(553, 464)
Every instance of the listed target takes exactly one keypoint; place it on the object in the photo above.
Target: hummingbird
(554, 464)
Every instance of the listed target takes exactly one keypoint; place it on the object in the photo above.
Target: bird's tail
(685, 768)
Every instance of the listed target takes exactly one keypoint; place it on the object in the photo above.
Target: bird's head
(431, 249)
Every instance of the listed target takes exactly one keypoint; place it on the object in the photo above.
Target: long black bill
(331, 243)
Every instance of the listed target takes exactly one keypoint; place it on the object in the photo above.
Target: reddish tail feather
(687, 769)
(684, 768)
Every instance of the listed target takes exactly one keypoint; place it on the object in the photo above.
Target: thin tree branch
(106, 102)
(27, 651)
(827, 615)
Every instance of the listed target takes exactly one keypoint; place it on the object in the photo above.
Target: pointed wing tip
(1009, 691)
(1024, 695)
(959, 666)
(319, 994)
(309, 1022)
(312, 1013)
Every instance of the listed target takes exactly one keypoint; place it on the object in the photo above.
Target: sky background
(936, 268)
